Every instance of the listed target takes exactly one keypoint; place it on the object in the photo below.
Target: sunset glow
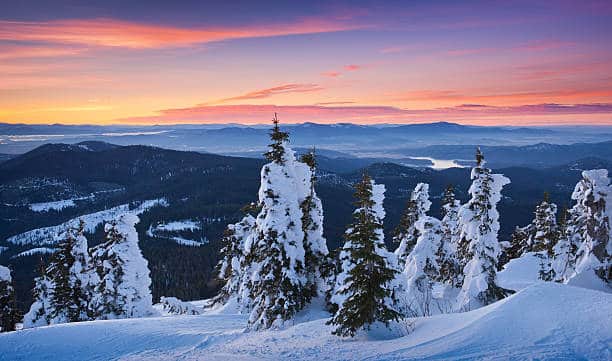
(484, 63)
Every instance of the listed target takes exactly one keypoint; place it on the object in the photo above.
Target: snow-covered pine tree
(545, 236)
(406, 233)
(40, 310)
(565, 250)
(519, 243)
(315, 245)
(422, 266)
(65, 284)
(363, 292)
(478, 245)
(124, 284)
(450, 272)
(590, 224)
(8, 310)
(276, 285)
(230, 268)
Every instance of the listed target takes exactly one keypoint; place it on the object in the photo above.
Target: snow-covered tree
(364, 291)
(8, 310)
(450, 271)
(123, 290)
(422, 266)
(406, 233)
(40, 310)
(519, 243)
(231, 266)
(590, 225)
(545, 236)
(478, 244)
(62, 293)
(315, 245)
(564, 250)
(276, 286)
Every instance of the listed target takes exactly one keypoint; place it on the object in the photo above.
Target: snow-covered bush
(174, 306)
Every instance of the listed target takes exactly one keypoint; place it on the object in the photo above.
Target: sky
(171, 62)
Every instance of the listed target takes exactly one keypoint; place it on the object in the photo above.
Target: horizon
(365, 63)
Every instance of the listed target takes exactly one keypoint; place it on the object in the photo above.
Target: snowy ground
(543, 321)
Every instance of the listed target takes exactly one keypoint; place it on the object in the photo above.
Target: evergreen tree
(519, 243)
(450, 271)
(40, 310)
(406, 233)
(315, 245)
(546, 235)
(279, 139)
(123, 290)
(364, 292)
(590, 225)
(62, 293)
(8, 311)
(275, 288)
(423, 267)
(231, 266)
(478, 246)
(565, 250)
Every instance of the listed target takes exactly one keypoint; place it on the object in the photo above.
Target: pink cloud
(281, 89)
(466, 113)
(118, 33)
(331, 74)
(352, 67)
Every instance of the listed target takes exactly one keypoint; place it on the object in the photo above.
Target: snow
(35, 251)
(55, 206)
(520, 272)
(49, 235)
(539, 322)
(2, 249)
(185, 224)
(5, 274)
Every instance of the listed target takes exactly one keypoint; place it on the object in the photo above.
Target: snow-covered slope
(49, 235)
(545, 321)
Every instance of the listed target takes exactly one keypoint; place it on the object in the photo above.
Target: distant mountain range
(70, 180)
(393, 142)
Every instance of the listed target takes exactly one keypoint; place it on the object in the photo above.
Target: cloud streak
(466, 113)
(277, 90)
(117, 33)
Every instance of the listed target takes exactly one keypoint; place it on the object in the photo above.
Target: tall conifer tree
(364, 292)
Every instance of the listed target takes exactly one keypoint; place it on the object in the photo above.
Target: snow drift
(543, 321)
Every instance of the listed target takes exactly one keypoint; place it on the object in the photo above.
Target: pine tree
(123, 290)
(40, 310)
(423, 267)
(519, 243)
(315, 245)
(450, 271)
(276, 286)
(364, 292)
(565, 250)
(279, 139)
(231, 266)
(546, 235)
(64, 287)
(479, 248)
(406, 233)
(8, 309)
(590, 225)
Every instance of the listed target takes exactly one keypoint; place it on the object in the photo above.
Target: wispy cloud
(466, 113)
(119, 33)
(352, 67)
(277, 90)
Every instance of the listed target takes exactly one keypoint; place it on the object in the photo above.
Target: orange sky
(523, 64)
